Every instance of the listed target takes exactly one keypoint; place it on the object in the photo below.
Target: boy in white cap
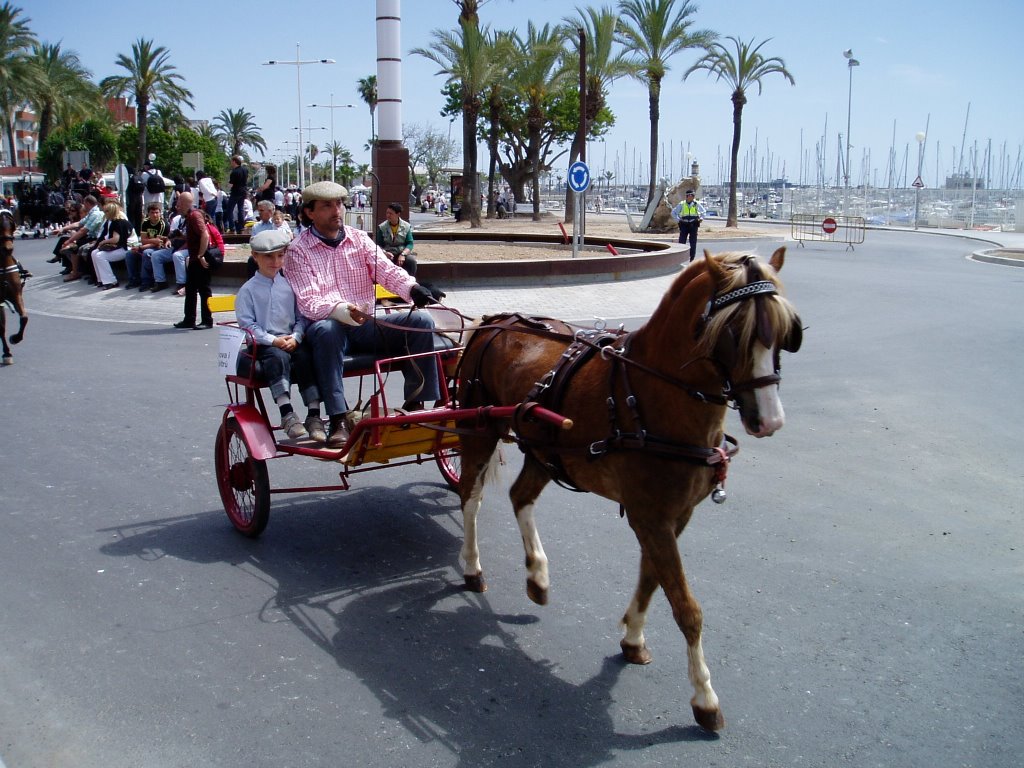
(266, 307)
(332, 269)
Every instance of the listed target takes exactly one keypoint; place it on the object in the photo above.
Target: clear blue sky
(917, 59)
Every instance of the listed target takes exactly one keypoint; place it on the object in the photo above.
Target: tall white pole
(389, 70)
(850, 64)
(298, 90)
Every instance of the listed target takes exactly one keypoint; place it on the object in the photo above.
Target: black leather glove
(420, 295)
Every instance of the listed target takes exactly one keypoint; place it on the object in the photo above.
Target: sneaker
(339, 432)
(315, 427)
(293, 427)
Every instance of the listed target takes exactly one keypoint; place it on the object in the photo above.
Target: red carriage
(635, 417)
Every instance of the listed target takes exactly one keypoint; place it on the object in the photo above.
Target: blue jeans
(134, 262)
(232, 217)
(158, 261)
(281, 369)
(332, 340)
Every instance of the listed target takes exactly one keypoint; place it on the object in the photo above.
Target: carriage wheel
(449, 461)
(242, 480)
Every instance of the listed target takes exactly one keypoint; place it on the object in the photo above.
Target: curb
(992, 256)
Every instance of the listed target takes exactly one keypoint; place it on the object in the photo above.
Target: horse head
(745, 325)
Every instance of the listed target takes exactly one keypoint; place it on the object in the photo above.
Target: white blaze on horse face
(769, 405)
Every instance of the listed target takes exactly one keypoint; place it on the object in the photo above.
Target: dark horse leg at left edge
(11, 287)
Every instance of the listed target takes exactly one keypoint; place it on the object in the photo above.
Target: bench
(361, 364)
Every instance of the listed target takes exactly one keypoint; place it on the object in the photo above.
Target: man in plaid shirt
(332, 269)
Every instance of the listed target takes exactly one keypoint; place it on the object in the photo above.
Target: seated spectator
(280, 223)
(113, 245)
(172, 252)
(394, 236)
(265, 212)
(247, 212)
(75, 251)
(64, 233)
(152, 235)
(266, 307)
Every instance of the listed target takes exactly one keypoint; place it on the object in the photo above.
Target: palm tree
(65, 94)
(18, 77)
(497, 91)
(167, 116)
(338, 155)
(656, 30)
(237, 129)
(604, 66)
(464, 58)
(367, 88)
(150, 78)
(742, 70)
(537, 72)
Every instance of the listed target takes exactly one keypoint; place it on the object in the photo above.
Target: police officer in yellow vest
(688, 213)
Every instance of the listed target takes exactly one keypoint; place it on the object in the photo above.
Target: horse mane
(742, 317)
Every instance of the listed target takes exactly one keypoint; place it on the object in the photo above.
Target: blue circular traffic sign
(579, 177)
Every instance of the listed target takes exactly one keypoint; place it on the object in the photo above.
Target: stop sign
(829, 225)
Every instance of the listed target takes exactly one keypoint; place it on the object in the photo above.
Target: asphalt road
(862, 587)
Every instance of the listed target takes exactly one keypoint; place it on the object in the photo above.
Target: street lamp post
(287, 147)
(332, 106)
(920, 136)
(850, 64)
(308, 149)
(298, 86)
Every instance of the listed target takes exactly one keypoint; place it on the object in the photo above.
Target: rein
(613, 347)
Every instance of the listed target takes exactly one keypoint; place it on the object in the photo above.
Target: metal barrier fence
(360, 218)
(829, 229)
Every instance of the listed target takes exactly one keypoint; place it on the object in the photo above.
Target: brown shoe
(70, 276)
(339, 432)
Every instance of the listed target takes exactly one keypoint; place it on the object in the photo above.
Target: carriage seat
(354, 365)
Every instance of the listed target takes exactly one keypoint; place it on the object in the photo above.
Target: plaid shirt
(323, 277)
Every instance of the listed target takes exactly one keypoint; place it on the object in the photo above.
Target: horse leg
(661, 547)
(5, 358)
(19, 304)
(634, 647)
(479, 457)
(524, 493)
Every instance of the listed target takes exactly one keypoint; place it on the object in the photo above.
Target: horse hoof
(709, 719)
(475, 582)
(635, 654)
(536, 593)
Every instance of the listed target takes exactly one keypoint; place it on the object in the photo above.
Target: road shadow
(374, 586)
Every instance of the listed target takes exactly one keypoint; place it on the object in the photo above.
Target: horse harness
(549, 392)
(13, 266)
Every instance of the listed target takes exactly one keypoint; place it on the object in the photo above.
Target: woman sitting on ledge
(394, 236)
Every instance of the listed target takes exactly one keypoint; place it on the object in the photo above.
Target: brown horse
(645, 417)
(11, 286)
